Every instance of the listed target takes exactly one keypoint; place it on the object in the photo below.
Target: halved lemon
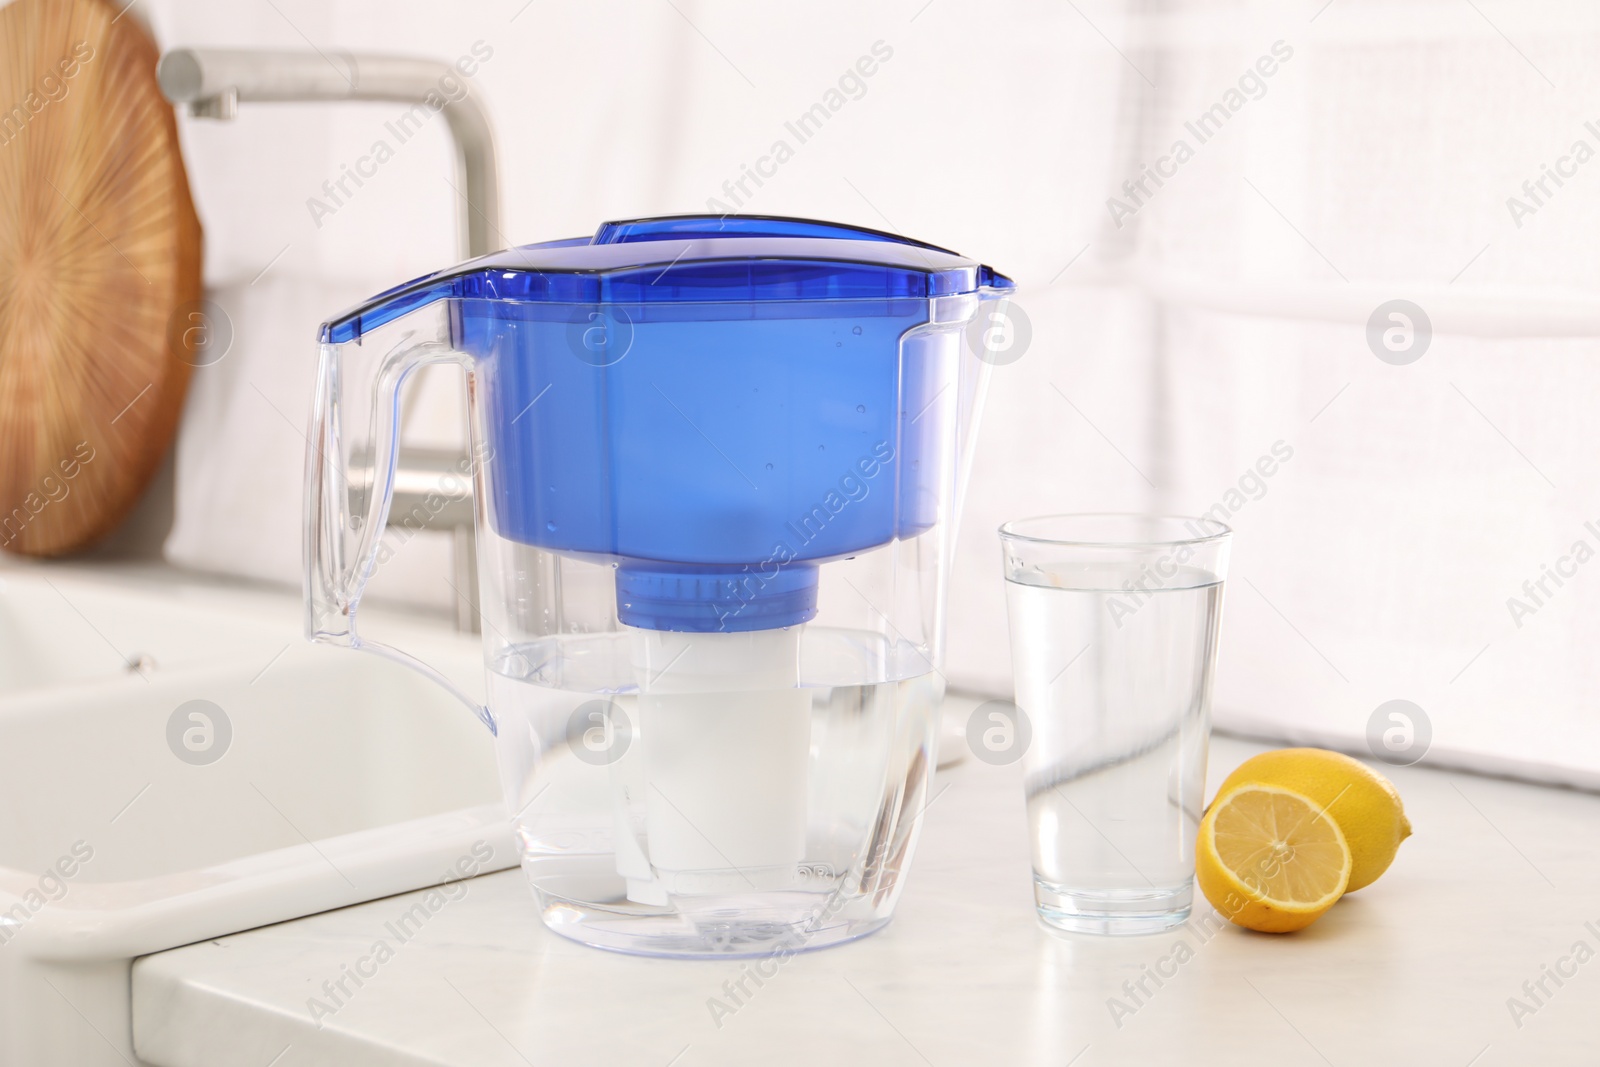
(1270, 859)
(1363, 802)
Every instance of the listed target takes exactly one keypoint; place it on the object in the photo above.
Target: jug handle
(341, 547)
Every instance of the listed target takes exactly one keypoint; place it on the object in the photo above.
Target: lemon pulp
(1271, 859)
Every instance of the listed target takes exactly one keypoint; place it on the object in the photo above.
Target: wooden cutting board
(99, 273)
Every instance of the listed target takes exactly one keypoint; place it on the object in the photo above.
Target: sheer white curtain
(1429, 537)
(1341, 156)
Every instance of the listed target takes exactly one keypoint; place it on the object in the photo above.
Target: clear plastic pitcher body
(717, 465)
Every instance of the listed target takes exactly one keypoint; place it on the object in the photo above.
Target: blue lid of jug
(691, 259)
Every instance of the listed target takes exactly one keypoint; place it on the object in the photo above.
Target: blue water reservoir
(717, 405)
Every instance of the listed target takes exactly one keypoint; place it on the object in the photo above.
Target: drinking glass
(1113, 622)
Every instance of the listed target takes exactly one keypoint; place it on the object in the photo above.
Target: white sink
(58, 628)
(346, 778)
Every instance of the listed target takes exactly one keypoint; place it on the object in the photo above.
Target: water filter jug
(717, 464)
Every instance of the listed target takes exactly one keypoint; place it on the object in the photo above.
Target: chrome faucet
(213, 82)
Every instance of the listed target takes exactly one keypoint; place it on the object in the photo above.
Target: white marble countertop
(1500, 882)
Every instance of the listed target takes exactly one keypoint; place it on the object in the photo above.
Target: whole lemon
(1362, 801)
